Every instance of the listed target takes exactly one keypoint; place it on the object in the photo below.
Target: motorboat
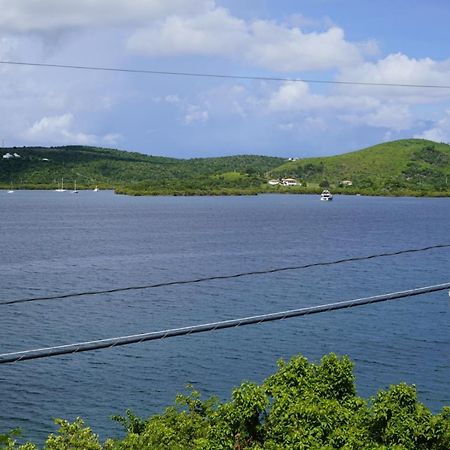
(326, 196)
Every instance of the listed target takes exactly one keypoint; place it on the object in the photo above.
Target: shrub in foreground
(302, 406)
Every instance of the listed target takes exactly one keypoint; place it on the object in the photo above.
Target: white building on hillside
(289, 182)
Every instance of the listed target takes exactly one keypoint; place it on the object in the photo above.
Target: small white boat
(75, 188)
(61, 189)
(96, 189)
(326, 196)
(11, 190)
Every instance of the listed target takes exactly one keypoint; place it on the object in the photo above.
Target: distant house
(45, 159)
(7, 156)
(289, 182)
(346, 183)
(16, 155)
(284, 182)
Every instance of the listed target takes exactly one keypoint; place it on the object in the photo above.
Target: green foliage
(303, 405)
(74, 436)
(405, 167)
(40, 167)
(131, 423)
(8, 442)
(183, 426)
(429, 154)
(311, 404)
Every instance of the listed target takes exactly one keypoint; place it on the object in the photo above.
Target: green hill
(405, 167)
(43, 168)
(410, 164)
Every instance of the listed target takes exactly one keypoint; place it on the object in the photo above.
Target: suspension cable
(222, 277)
(151, 336)
(221, 75)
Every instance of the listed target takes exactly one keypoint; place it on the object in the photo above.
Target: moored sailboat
(61, 189)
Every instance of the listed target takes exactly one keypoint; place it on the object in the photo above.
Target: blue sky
(395, 41)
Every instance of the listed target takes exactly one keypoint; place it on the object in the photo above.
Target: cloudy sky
(387, 41)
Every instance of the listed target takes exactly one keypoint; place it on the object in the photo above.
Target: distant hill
(405, 167)
(43, 167)
(409, 164)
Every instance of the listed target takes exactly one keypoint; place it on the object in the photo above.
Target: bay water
(56, 243)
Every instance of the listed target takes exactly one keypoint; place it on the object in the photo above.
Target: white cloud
(400, 69)
(172, 98)
(195, 114)
(292, 96)
(302, 21)
(293, 107)
(289, 49)
(112, 139)
(392, 116)
(51, 15)
(8, 46)
(288, 126)
(60, 130)
(214, 32)
(188, 27)
(262, 43)
(296, 98)
(309, 124)
(226, 100)
(315, 123)
(56, 129)
(395, 109)
(440, 132)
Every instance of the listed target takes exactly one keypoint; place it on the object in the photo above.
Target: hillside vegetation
(414, 165)
(302, 406)
(44, 168)
(405, 167)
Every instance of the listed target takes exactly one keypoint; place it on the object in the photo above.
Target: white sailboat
(61, 189)
(75, 188)
(96, 189)
(11, 190)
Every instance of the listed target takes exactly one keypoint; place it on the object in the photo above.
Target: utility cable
(217, 75)
(221, 277)
(139, 338)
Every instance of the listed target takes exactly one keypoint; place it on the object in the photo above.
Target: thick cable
(221, 277)
(155, 335)
(217, 75)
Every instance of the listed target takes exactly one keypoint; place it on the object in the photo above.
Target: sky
(395, 41)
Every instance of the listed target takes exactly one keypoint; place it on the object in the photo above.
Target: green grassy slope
(414, 164)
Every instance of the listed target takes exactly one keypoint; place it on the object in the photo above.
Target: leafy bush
(302, 406)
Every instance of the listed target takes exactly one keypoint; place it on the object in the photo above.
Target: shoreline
(242, 192)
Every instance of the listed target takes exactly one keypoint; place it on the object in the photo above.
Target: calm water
(58, 243)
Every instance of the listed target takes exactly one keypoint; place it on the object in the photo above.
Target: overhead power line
(221, 277)
(219, 75)
(155, 335)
